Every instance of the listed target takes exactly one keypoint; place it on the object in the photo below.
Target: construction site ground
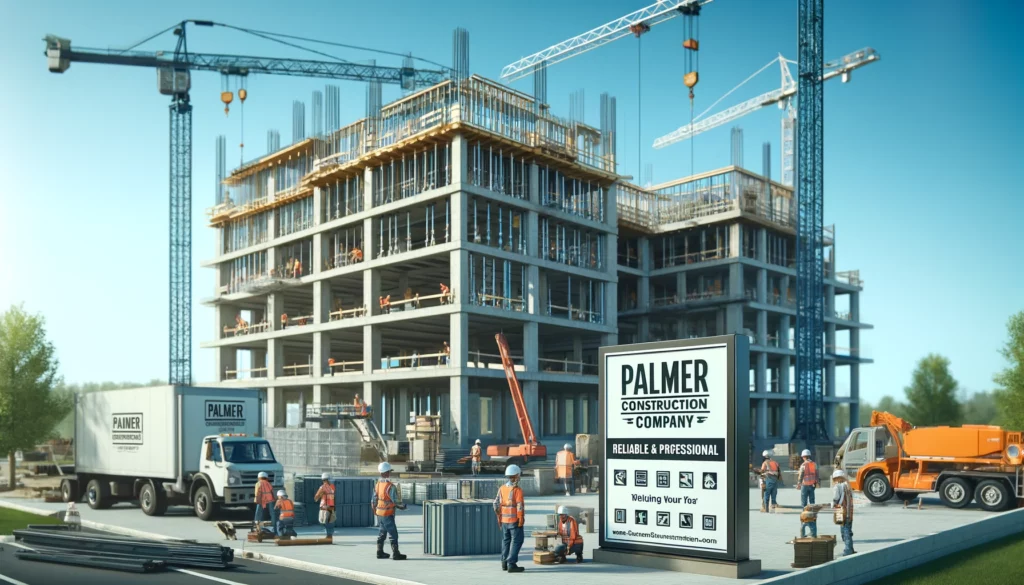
(876, 526)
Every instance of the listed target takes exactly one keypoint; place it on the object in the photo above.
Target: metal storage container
(460, 528)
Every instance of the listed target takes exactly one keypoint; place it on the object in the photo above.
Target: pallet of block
(809, 552)
(542, 540)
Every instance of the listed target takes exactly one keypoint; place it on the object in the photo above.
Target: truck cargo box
(145, 432)
(962, 442)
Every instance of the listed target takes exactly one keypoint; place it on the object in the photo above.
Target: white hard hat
(384, 467)
(512, 470)
(262, 475)
(562, 510)
(281, 494)
(325, 476)
(805, 453)
(478, 441)
(766, 453)
(838, 473)
(568, 446)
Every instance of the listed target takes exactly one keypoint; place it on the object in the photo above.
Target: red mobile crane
(530, 449)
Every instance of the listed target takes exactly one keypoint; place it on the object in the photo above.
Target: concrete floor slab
(875, 527)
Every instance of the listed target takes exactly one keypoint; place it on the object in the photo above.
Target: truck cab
(232, 464)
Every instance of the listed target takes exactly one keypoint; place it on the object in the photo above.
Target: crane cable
(639, 114)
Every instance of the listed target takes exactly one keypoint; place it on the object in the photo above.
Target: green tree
(30, 404)
(890, 405)
(981, 408)
(1011, 380)
(931, 396)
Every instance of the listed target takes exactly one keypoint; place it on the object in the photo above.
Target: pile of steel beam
(57, 544)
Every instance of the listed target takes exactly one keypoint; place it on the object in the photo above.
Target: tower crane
(783, 96)
(174, 79)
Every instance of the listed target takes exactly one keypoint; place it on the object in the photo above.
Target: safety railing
(347, 313)
(244, 328)
(344, 366)
(239, 374)
(415, 361)
(491, 361)
(566, 366)
(297, 370)
(575, 314)
(851, 277)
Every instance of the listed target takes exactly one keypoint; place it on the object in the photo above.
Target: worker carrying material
(807, 479)
(565, 465)
(842, 504)
(510, 508)
(569, 532)
(809, 521)
(475, 454)
(325, 495)
(770, 469)
(264, 498)
(286, 515)
(384, 503)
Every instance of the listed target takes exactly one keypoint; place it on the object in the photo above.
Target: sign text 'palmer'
(677, 377)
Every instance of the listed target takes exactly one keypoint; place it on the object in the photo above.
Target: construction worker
(384, 503)
(807, 478)
(565, 465)
(475, 454)
(809, 521)
(510, 508)
(445, 294)
(572, 541)
(286, 518)
(770, 470)
(842, 499)
(360, 406)
(264, 497)
(325, 495)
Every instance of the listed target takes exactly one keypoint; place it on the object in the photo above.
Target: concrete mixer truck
(893, 458)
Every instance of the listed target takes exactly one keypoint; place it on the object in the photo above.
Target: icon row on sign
(663, 479)
(664, 519)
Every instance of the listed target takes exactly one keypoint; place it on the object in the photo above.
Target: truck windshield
(248, 452)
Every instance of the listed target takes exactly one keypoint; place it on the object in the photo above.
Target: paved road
(18, 572)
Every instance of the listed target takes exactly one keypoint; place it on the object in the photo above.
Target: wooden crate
(543, 558)
(808, 552)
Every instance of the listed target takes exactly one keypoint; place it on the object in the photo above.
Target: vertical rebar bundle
(577, 106)
(609, 129)
(736, 156)
(540, 85)
(273, 141)
(221, 149)
(460, 53)
(318, 113)
(332, 109)
(298, 121)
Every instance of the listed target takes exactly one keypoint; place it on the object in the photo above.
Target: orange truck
(893, 458)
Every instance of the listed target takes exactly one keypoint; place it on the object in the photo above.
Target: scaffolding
(583, 198)
(583, 300)
(567, 244)
(295, 217)
(497, 283)
(344, 247)
(413, 173)
(496, 170)
(506, 225)
(246, 231)
(398, 233)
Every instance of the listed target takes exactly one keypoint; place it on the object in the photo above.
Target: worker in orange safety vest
(807, 480)
(325, 495)
(510, 508)
(384, 502)
(475, 455)
(565, 465)
(286, 517)
(770, 471)
(264, 498)
(569, 531)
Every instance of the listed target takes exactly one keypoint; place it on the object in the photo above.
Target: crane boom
(525, 425)
(656, 13)
(788, 88)
(60, 55)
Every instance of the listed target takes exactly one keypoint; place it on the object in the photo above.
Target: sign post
(675, 419)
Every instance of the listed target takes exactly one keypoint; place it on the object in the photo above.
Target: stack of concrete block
(459, 528)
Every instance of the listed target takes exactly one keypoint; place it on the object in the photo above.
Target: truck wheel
(956, 492)
(153, 500)
(877, 488)
(69, 491)
(992, 495)
(203, 503)
(97, 493)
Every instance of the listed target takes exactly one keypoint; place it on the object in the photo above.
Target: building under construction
(382, 257)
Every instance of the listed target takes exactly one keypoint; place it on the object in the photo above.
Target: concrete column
(733, 318)
(534, 303)
(736, 240)
(275, 358)
(321, 394)
(459, 217)
(644, 254)
(854, 395)
(321, 301)
(532, 233)
(855, 306)
(458, 265)
(762, 285)
(275, 408)
(681, 285)
(226, 359)
(371, 291)
(531, 346)
(761, 372)
(458, 338)
(611, 304)
(830, 417)
(784, 365)
(761, 420)
(784, 324)
(830, 300)
(534, 185)
(643, 293)
(321, 351)
(785, 424)
(402, 407)
(531, 397)
(371, 349)
(761, 336)
(609, 339)
(372, 394)
(577, 348)
(224, 316)
(318, 205)
(644, 331)
(458, 411)
(460, 160)
(321, 247)
(275, 308)
(830, 378)
(367, 199)
(735, 280)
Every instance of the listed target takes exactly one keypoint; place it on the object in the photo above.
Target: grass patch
(999, 562)
(16, 520)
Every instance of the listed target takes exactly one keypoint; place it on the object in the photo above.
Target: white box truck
(170, 445)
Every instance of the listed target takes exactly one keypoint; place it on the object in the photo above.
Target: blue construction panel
(353, 490)
(354, 516)
(460, 528)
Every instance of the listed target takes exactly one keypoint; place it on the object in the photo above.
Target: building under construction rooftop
(381, 259)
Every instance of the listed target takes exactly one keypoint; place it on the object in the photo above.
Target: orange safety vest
(564, 462)
(512, 505)
(287, 509)
(572, 537)
(265, 493)
(810, 472)
(327, 497)
(773, 467)
(474, 452)
(385, 505)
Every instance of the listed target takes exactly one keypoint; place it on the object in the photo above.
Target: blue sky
(921, 151)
